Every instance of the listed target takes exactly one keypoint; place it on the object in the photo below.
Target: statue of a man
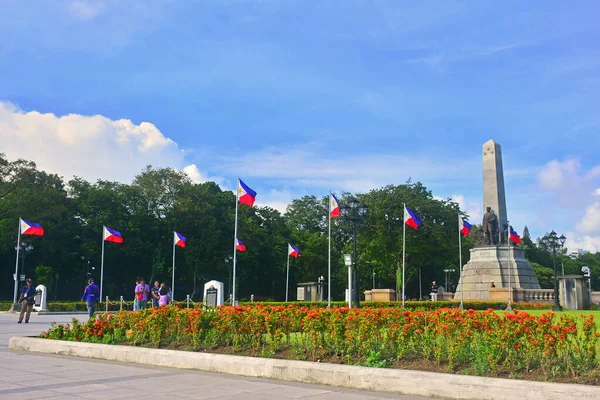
(490, 227)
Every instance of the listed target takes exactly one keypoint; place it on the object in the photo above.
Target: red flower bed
(481, 341)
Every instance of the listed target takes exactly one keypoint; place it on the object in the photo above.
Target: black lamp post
(24, 250)
(227, 259)
(354, 213)
(554, 243)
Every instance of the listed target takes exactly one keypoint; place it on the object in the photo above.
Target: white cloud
(585, 242)
(277, 199)
(473, 208)
(311, 165)
(573, 193)
(590, 223)
(91, 147)
(85, 9)
(194, 173)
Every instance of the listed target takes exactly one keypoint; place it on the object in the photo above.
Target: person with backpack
(27, 300)
(91, 295)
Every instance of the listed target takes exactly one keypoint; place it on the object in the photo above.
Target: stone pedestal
(492, 264)
(380, 295)
(574, 292)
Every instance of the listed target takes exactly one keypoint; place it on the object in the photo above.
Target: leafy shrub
(482, 342)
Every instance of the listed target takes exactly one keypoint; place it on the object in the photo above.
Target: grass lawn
(573, 313)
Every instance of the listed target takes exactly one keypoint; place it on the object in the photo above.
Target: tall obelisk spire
(493, 182)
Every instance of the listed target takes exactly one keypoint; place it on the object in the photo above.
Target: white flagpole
(173, 280)
(329, 258)
(237, 198)
(403, 252)
(509, 306)
(102, 265)
(460, 265)
(287, 280)
(17, 262)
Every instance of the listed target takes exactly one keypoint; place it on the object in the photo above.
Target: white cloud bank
(91, 147)
(577, 193)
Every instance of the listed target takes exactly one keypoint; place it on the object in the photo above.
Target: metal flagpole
(509, 305)
(329, 258)
(403, 252)
(17, 262)
(102, 264)
(287, 280)
(237, 198)
(460, 266)
(173, 280)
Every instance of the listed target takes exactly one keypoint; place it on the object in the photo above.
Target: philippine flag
(246, 195)
(335, 207)
(239, 246)
(30, 228)
(293, 251)
(410, 218)
(180, 240)
(464, 227)
(110, 235)
(514, 236)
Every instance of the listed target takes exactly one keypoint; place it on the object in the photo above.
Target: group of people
(159, 294)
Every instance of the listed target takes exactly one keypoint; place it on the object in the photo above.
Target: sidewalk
(33, 376)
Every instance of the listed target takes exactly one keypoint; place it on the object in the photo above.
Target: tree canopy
(160, 201)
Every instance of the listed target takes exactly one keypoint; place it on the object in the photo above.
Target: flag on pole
(334, 206)
(246, 195)
(464, 227)
(239, 245)
(293, 251)
(31, 228)
(180, 240)
(514, 236)
(410, 218)
(110, 235)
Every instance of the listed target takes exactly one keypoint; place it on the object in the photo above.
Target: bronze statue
(490, 227)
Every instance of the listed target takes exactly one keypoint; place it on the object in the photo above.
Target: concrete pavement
(28, 376)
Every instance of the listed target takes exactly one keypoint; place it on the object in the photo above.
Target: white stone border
(417, 383)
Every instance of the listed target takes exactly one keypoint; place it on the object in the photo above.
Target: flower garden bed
(484, 343)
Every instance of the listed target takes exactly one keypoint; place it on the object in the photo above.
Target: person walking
(27, 300)
(142, 290)
(91, 296)
(135, 295)
(434, 291)
(154, 292)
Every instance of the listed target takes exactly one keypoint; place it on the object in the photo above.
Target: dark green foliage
(159, 201)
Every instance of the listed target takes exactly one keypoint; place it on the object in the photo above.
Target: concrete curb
(61, 312)
(417, 383)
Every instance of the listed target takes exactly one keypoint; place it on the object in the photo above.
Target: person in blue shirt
(27, 300)
(91, 295)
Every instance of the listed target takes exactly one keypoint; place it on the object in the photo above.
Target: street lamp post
(24, 249)
(354, 213)
(554, 243)
(227, 259)
(447, 270)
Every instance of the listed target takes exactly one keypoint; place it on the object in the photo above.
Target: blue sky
(301, 97)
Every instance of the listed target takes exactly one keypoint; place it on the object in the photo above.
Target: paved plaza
(36, 376)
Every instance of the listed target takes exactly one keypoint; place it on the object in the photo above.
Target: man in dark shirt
(91, 295)
(155, 295)
(27, 300)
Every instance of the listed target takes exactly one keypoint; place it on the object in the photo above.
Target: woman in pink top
(163, 292)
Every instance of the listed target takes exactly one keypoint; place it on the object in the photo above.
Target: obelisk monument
(494, 261)
(493, 182)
